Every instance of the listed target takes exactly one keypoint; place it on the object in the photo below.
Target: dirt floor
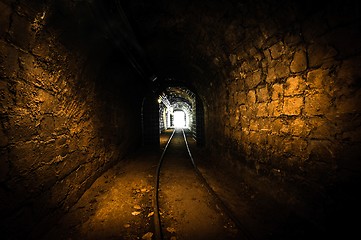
(119, 203)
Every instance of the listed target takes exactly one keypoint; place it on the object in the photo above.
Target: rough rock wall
(285, 102)
(280, 83)
(66, 113)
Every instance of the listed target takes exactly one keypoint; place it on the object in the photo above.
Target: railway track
(178, 138)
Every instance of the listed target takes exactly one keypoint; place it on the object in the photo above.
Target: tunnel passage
(177, 99)
(159, 111)
(279, 82)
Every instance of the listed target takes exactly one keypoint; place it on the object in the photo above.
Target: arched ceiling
(180, 94)
(165, 31)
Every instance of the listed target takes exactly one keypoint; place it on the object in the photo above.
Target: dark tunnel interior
(271, 90)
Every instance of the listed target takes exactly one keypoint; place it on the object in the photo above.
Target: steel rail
(157, 222)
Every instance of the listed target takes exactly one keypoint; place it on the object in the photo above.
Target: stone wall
(70, 108)
(285, 102)
(280, 84)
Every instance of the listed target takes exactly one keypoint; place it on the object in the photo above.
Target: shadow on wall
(64, 117)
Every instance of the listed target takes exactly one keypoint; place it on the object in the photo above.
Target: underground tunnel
(268, 93)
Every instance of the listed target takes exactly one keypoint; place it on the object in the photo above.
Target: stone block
(251, 97)
(299, 128)
(285, 128)
(241, 98)
(253, 125)
(246, 67)
(277, 91)
(292, 105)
(265, 124)
(256, 54)
(299, 62)
(317, 104)
(294, 86)
(277, 50)
(282, 69)
(262, 110)
(271, 75)
(316, 77)
(253, 80)
(244, 116)
(275, 108)
(262, 94)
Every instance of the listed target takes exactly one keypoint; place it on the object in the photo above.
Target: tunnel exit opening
(172, 107)
(177, 109)
(179, 119)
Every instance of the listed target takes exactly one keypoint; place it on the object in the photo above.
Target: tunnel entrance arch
(158, 113)
(178, 97)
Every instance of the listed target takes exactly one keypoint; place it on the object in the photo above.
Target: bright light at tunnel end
(179, 119)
